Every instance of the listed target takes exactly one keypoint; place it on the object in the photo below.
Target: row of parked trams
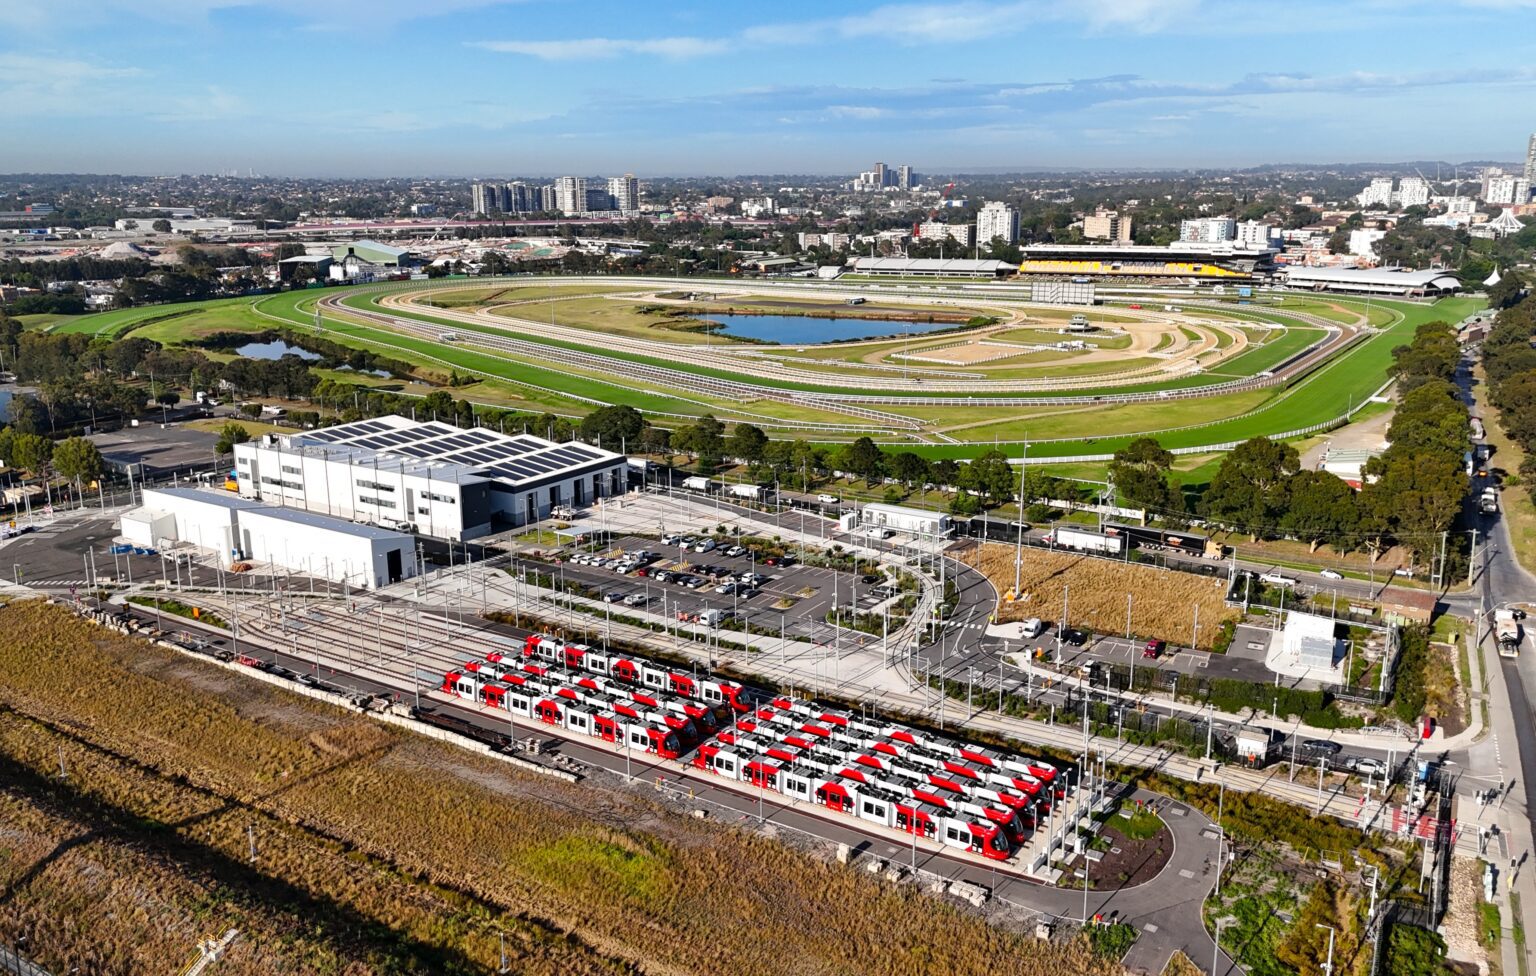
(966, 796)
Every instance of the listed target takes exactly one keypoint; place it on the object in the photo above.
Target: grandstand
(1202, 262)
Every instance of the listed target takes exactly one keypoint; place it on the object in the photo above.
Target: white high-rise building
(1530, 162)
(1506, 189)
(571, 194)
(1413, 191)
(1208, 230)
(625, 191)
(933, 230)
(997, 219)
(1379, 192)
(1251, 233)
(483, 198)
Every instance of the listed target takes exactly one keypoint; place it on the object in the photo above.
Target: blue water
(276, 349)
(802, 330)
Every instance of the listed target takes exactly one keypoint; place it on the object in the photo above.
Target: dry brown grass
(1179, 965)
(1163, 601)
(385, 853)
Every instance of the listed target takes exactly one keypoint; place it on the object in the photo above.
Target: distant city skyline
(492, 88)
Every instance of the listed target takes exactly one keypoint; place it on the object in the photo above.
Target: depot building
(427, 477)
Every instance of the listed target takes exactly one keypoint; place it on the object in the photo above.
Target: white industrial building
(236, 529)
(206, 519)
(362, 556)
(913, 521)
(429, 477)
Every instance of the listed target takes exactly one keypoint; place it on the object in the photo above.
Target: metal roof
(216, 497)
(514, 458)
(932, 265)
(326, 523)
(1395, 277)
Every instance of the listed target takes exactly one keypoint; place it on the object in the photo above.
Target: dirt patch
(1128, 861)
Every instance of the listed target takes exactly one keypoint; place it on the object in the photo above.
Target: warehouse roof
(514, 458)
(325, 523)
(371, 251)
(307, 259)
(206, 496)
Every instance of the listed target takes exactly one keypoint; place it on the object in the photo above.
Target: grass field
(527, 382)
(1097, 590)
(383, 852)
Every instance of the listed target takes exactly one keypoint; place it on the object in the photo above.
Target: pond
(803, 330)
(276, 349)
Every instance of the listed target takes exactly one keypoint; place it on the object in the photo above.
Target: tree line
(1509, 363)
(1411, 493)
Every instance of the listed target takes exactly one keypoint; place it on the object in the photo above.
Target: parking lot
(793, 599)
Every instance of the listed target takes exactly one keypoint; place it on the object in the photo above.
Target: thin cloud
(586, 48)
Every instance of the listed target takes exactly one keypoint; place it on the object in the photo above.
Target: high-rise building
(1379, 192)
(598, 198)
(571, 194)
(906, 177)
(1208, 230)
(625, 191)
(997, 219)
(1530, 161)
(1505, 188)
(483, 198)
(1107, 225)
(1413, 191)
(1251, 233)
(933, 230)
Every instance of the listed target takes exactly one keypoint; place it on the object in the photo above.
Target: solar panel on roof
(415, 450)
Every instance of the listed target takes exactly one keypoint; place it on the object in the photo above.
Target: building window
(447, 499)
(376, 502)
(290, 469)
(375, 486)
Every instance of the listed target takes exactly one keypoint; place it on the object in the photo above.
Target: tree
(1140, 473)
(1421, 492)
(161, 226)
(863, 458)
(168, 398)
(618, 425)
(1507, 292)
(992, 476)
(1245, 491)
(230, 435)
(1319, 508)
(910, 469)
(946, 473)
(747, 443)
(32, 452)
(252, 409)
(77, 459)
(438, 402)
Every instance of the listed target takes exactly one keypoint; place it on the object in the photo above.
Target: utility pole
(1327, 966)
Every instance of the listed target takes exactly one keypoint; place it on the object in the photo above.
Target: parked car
(671, 539)
(1331, 574)
(613, 596)
(1369, 766)
(1075, 637)
(635, 600)
(827, 499)
(1321, 747)
(706, 545)
(735, 551)
(1154, 648)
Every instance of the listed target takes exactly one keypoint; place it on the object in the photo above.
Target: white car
(1277, 579)
(827, 499)
(708, 545)
(1331, 574)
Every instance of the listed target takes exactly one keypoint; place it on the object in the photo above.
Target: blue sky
(536, 87)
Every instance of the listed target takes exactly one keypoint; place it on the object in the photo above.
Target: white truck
(1488, 501)
(1031, 628)
(698, 483)
(1506, 627)
(1068, 536)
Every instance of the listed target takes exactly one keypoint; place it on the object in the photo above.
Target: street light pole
(1327, 966)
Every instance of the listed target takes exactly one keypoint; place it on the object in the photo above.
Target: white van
(1031, 627)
